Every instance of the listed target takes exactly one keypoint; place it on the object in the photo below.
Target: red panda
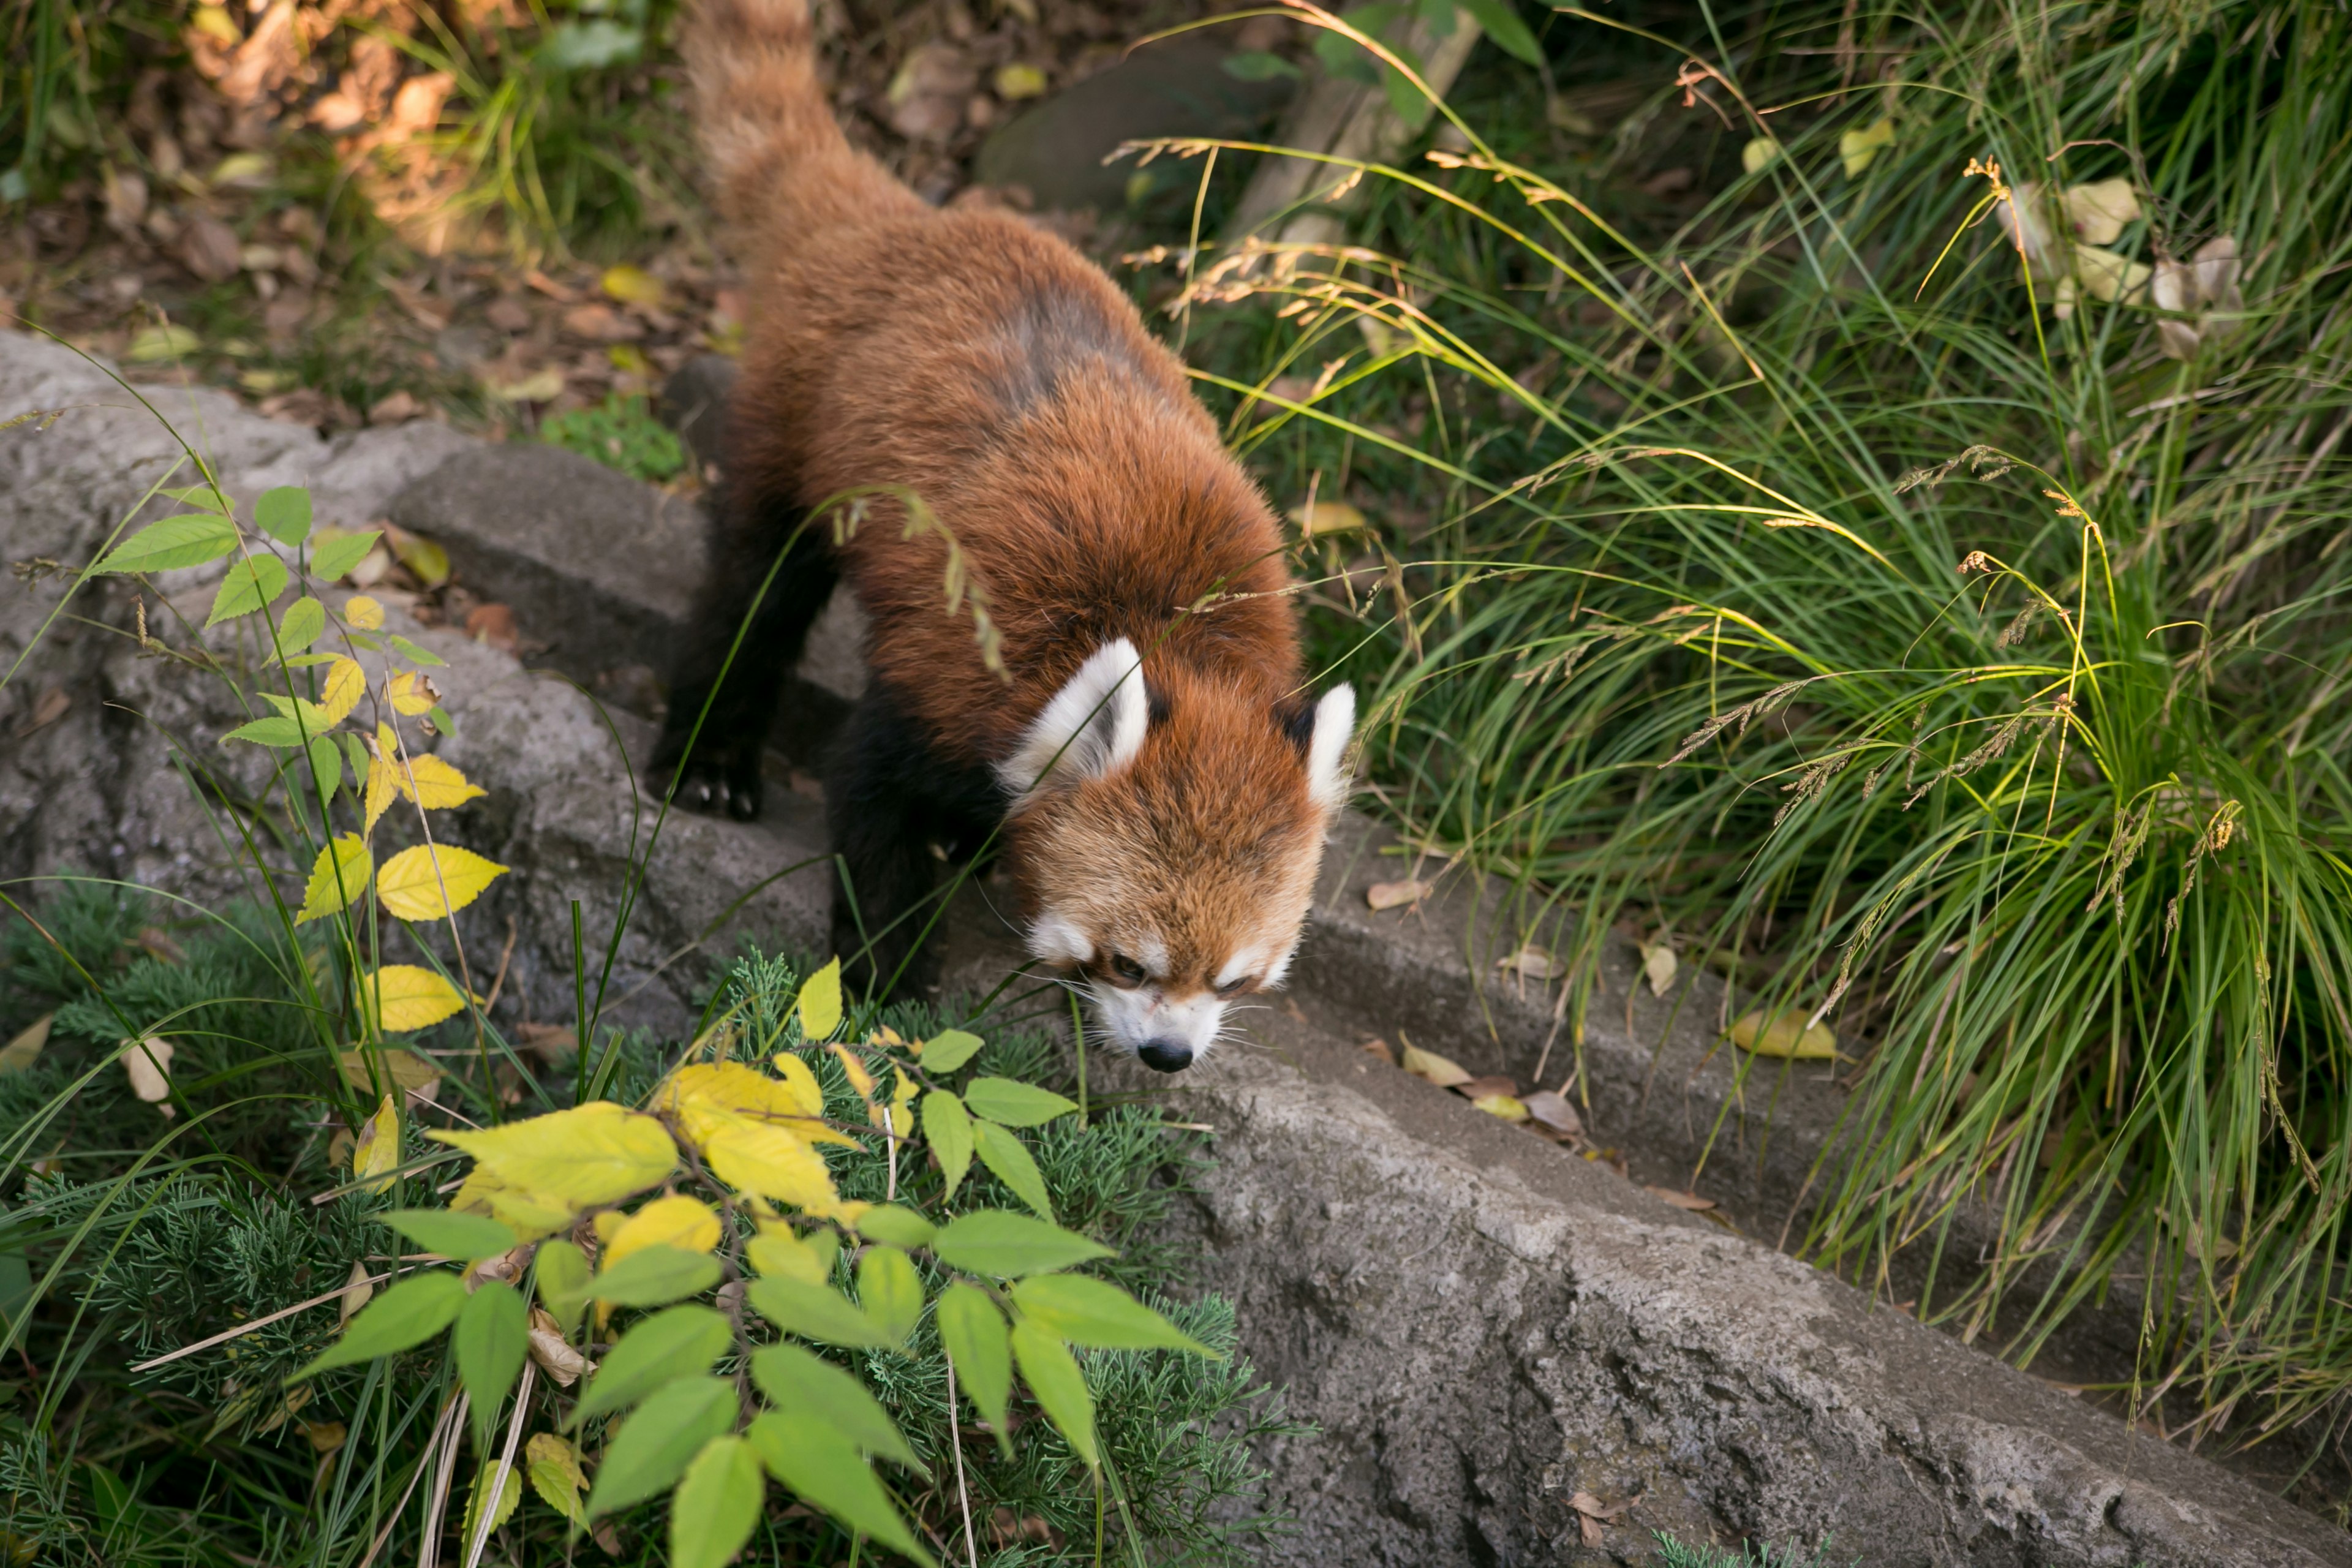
(1158, 781)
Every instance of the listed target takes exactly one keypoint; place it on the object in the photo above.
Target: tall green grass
(1802, 585)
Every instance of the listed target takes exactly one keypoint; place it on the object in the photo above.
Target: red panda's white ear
(1093, 725)
(1330, 778)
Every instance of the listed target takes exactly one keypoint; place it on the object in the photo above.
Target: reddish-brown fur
(992, 370)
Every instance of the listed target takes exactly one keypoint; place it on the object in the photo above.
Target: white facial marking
(1329, 779)
(1057, 941)
(1280, 968)
(1093, 725)
(1153, 954)
(1136, 1017)
(1241, 964)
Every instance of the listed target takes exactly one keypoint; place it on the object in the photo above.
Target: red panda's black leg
(888, 801)
(747, 537)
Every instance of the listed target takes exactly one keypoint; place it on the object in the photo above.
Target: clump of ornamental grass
(1911, 579)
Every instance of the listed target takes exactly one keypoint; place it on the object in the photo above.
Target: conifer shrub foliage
(302, 1260)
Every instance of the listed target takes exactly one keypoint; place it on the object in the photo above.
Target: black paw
(729, 785)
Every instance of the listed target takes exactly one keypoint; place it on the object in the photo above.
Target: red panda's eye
(1231, 986)
(1127, 968)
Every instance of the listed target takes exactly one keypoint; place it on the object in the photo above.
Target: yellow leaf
(764, 1158)
(801, 1079)
(705, 1089)
(412, 692)
(434, 784)
(25, 1049)
(408, 1072)
(2110, 275)
(365, 613)
(1017, 81)
(1327, 517)
(594, 1153)
(776, 1250)
(537, 387)
(384, 774)
(404, 997)
(1658, 964)
(688, 1224)
(531, 1216)
(1757, 156)
(1785, 1034)
(633, 286)
(431, 880)
(338, 876)
(356, 1291)
(819, 1003)
(553, 1463)
(1510, 1107)
(426, 560)
(346, 684)
(2099, 210)
(852, 1064)
(1860, 148)
(377, 1149)
(1440, 1071)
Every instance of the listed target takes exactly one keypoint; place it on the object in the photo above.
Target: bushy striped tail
(773, 148)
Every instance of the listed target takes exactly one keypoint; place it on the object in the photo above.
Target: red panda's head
(1166, 837)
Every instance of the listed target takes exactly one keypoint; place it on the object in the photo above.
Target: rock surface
(1483, 1327)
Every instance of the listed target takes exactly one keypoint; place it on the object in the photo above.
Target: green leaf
(656, 1276)
(814, 1312)
(948, 1128)
(202, 497)
(251, 582)
(337, 556)
(890, 1292)
(355, 752)
(717, 1505)
(653, 1447)
(267, 732)
(554, 1468)
(510, 1498)
(948, 1050)
(819, 1464)
(492, 1336)
(1008, 1157)
(300, 625)
(668, 1345)
(1060, 1388)
(411, 651)
(1258, 65)
(326, 766)
(819, 1003)
(284, 514)
(800, 1380)
(1502, 23)
(564, 1282)
(1002, 1245)
(464, 1236)
(898, 1226)
(1099, 1314)
(190, 539)
(973, 1333)
(1013, 1103)
(409, 1314)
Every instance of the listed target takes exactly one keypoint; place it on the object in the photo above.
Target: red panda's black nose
(1165, 1056)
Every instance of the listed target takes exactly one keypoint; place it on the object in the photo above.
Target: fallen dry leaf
(539, 386)
(47, 709)
(1431, 1067)
(1490, 1083)
(410, 1073)
(1690, 1201)
(1554, 1111)
(553, 1352)
(208, 249)
(551, 1042)
(1510, 1107)
(494, 625)
(149, 1064)
(1592, 1514)
(356, 1291)
(1658, 964)
(397, 408)
(928, 97)
(1531, 962)
(1395, 894)
(25, 1049)
(1327, 517)
(1376, 1046)
(1785, 1034)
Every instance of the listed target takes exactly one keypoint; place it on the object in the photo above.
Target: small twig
(241, 1329)
(890, 1139)
(955, 1442)
(428, 1552)
(506, 956)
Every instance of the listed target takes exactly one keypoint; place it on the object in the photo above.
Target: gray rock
(1177, 87)
(1482, 1326)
